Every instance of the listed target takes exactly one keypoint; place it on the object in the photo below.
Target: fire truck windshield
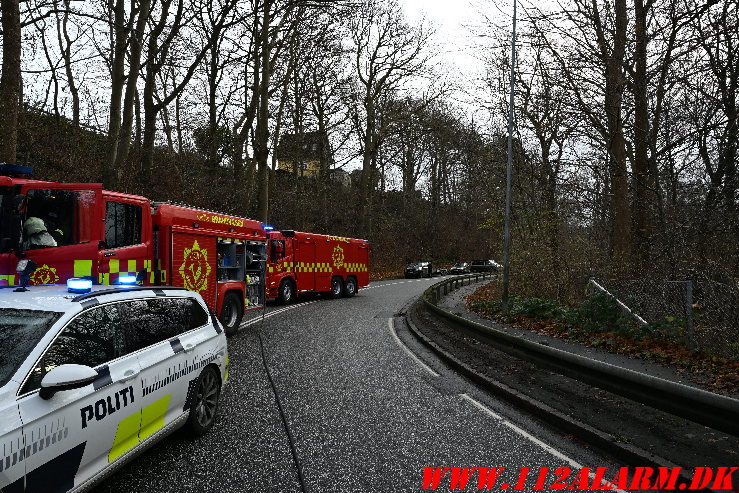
(56, 218)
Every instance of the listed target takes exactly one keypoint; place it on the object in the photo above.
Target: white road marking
(274, 312)
(572, 462)
(410, 353)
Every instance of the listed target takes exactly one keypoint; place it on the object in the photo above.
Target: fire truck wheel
(350, 289)
(287, 292)
(231, 313)
(337, 287)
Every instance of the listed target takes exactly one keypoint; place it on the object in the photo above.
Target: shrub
(599, 312)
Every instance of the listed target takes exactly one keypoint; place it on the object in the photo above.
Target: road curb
(628, 454)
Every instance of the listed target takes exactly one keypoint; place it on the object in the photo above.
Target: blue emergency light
(77, 285)
(268, 228)
(127, 280)
(15, 169)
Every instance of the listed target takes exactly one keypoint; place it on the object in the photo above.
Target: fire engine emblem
(338, 256)
(45, 275)
(195, 269)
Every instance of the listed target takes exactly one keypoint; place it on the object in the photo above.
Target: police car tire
(232, 302)
(350, 288)
(287, 292)
(337, 288)
(204, 405)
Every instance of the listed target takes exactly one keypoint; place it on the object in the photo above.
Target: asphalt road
(365, 412)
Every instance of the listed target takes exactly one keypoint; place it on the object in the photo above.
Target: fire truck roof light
(17, 169)
(268, 228)
(127, 280)
(77, 285)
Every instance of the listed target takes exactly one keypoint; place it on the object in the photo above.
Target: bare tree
(10, 82)
(387, 53)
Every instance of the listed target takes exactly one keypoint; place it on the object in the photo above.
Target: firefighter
(36, 234)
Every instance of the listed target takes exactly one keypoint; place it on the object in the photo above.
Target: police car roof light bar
(129, 280)
(79, 285)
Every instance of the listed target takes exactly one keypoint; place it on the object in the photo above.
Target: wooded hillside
(625, 143)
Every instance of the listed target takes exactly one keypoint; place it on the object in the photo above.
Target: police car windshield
(20, 331)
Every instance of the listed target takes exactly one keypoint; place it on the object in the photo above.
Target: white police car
(88, 380)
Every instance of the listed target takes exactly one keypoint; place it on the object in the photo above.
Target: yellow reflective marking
(126, 437)
(152, 417)
(82, 268)
(132, 266)
(114, 266)
(225, 375)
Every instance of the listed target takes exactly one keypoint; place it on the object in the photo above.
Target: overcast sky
(457, 23)
(452, 20)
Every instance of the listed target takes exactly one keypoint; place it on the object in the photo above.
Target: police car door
(12, 448)
(169, 356)
(76, 433)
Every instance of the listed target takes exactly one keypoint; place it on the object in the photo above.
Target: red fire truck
(307, 263)
(80, 230)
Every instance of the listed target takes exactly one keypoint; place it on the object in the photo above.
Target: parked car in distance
(419, 269)
(485, 266)
(95, 375)
(460, 268)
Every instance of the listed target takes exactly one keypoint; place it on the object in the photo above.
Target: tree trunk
(367, 183)
(124, 143)
(262, 131)
(65, 46)
(641, 222)
(118, 79)
(616, 144)
(10, 82)
(212, 149)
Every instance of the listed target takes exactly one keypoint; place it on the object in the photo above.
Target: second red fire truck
(307, 263)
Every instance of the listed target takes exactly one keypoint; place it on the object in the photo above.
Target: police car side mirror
(66, 377)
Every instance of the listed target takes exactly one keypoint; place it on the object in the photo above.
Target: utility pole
(507, 223)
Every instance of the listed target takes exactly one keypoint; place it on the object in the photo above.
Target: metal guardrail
(709, 409)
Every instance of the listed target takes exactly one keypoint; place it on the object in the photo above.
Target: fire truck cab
(307, 263)
(80, 230)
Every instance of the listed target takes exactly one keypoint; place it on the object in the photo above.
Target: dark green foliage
(540, 308)
(599, 312)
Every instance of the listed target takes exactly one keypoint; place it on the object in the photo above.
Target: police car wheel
(286, 293)
(205, 402)
(351, 287)
(231, 314)
(337, 287)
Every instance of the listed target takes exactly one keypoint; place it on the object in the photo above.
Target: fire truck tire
(350, 288)
(231, 313)
(337, 287)
(287, 292)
